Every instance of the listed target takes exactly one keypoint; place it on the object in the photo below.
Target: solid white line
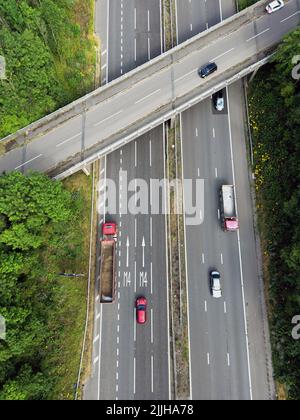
(294, 14)
(255, 36)
(160, 27)
(134, 375)
(151, 273)
(166, 259)
(99, 353)
(151, 325)
(149, 49)
(31, 160)
(71, 138)
(240, 256)
(134, 324)
(221, 55)
(152, 370)
(108, 118)
(134, 276)
(186, 272)
(176, 17)
(107, 38)
(221, 12)
(148, 96)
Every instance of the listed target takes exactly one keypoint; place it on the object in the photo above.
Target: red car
(141, 308)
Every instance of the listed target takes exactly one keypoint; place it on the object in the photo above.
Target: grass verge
(71, 303)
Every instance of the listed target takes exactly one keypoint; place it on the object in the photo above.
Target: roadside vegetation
(49, 50)
(246, 3)
(44, 232)
(274, 101)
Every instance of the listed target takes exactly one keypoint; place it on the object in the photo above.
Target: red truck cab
(110, 229)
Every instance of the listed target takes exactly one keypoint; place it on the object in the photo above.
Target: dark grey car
(207, 69)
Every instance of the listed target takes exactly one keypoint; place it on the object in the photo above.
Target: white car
(274, 6)
(215, 284)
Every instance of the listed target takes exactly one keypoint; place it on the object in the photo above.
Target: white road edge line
(167, 264)
(88, 293)
(99, 352)
(134, 361)
(186, 270)
(240, 256)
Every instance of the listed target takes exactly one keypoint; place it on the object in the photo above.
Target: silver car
(215, 284)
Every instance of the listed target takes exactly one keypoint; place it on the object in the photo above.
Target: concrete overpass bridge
(111, 116)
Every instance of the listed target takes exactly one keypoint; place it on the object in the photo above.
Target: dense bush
(49, 54)
(38, 240)
(275, 119)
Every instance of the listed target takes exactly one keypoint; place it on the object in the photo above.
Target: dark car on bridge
(141, 310)
(207, 69)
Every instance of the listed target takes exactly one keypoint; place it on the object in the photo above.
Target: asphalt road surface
(150, 94)
(223, 364)
(130, 360)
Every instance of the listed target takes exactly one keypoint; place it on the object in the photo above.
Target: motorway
(223, 364)
(151, 94)
(131, 361)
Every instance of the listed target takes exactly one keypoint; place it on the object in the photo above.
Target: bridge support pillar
(172, 122)
(87, 170)
(253, 74)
